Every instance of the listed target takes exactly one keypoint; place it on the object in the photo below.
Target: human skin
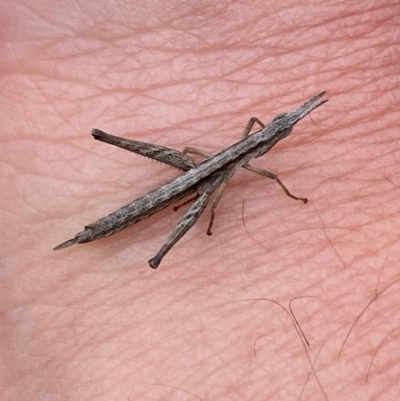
(94, 322)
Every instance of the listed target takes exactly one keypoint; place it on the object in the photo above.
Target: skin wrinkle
(97, 323)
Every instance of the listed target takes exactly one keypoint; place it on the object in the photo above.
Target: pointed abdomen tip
(65, 244)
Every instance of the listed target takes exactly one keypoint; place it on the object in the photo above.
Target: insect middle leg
(225, 177)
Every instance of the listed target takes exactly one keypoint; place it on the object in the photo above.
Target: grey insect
(202, 180)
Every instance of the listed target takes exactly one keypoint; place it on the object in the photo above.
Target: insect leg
(187, 222)
(250, 125)
(274, 177)
(169, 156)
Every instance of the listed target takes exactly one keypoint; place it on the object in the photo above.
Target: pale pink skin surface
(94, 322)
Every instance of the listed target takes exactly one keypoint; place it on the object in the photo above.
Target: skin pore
(95, 322)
